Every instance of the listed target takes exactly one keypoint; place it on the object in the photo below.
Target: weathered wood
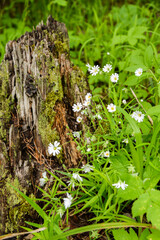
(38, 86)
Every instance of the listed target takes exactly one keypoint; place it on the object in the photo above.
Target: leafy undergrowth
(114, 193)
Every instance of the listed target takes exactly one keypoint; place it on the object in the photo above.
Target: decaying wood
(38, 86)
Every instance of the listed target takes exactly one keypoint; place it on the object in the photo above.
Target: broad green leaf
(148, 56)
(133, 235)
(144, 234)
(155, 235)
(153, 215)
(154, 110)
(131, 81)
(155, 196)
(134, 189)
(140, 205)
(119, 39)
(121, 234)
(97, 90)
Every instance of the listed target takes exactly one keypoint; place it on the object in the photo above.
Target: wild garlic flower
(138, 116)
(107, 68)
(120, 184)
(71, 183)
(114, 77)
(77, 107)
(111, 107)
(79, 119)
(87, 168)
(67, 201)
(139, 72)
(77, 177)
(44, 179)
(88, 96)
(106, 154)
(54, 149)
(94, 70)
(76, 134)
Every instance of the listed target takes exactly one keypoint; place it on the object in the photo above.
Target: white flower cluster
(77, 107)
(138, 116)
(107, 68)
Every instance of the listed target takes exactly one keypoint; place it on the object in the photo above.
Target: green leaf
(121, 234)
(133, 235)
(144, 234)
(148, 56)
(134, 189)
(154, 110)
(119, 39)
(154, 236)
(153, 215)
(97, 90)
(140, 205)
(131, 81)
(61, 2)
(155, 196)
(158, 89)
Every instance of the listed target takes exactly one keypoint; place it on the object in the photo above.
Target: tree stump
(38, 86)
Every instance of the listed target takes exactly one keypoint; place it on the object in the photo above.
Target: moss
(78, 78)
(5, 100)
(18, 208)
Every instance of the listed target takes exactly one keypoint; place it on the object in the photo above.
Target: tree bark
(38, 86)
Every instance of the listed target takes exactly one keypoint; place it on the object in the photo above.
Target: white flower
(108, 53)
(138, 116)
(111, 107)
(54, 149)
(131, 168)
(141, 100)
(114, 77)
(88, 96)
(106, 154)
(85, 112)
(117, 185)
(124, 101)
(79, 119)
(87, 103)
(76, 134)
(98, 116)
(77, 107)
(44, 179)
(67, 201)
(77, 177)
(120, 184)
(87, 168)
(89, 66)
(125, 140)
(88, 149)
(107, 68)
(94, 70)
(125, 90)
(123, 185)
(71, 183)
(60, 211)
(138, 72)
